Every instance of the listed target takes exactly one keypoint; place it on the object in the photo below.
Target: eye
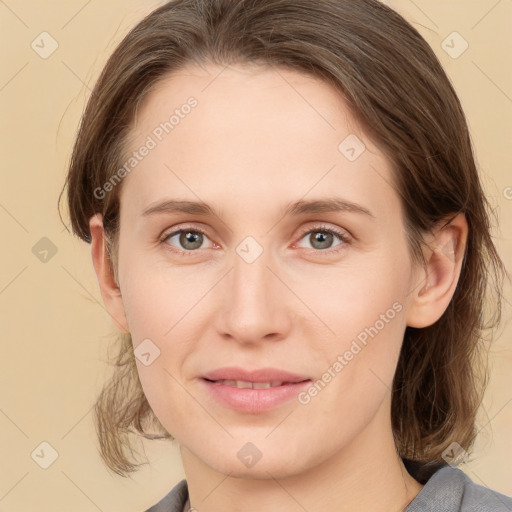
(321, 238)
(188, 239)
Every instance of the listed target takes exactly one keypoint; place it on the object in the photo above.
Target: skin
(296, 307)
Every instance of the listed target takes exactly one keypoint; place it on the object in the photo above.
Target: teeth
(261, 385)
(241, 384)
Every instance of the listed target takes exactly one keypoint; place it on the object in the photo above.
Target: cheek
(155, 296)
(364, 309)
(162, 309)
(346, 301)
(359, 361)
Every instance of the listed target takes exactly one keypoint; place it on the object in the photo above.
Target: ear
(438, 279)
(110, 291)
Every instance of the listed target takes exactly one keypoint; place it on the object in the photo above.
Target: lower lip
(255, 400)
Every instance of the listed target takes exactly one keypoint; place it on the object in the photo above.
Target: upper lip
(256, 375)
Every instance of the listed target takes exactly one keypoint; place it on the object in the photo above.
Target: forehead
(254, 136)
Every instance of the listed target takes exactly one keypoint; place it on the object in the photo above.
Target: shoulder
(173, 501)
(478, 498)
(449, 489)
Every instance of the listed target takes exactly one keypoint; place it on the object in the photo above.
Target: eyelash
(345, 239)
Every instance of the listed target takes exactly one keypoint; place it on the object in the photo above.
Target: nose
(254, 303)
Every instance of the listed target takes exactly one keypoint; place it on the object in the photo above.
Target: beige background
(54, 328)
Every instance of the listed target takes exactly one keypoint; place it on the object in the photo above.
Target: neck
(367, 474)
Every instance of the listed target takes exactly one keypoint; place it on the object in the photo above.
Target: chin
(276, 465)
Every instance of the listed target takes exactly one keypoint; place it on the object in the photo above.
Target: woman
(288, 229)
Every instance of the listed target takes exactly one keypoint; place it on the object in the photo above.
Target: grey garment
(451, 490)
(173, 501)
(447, 490)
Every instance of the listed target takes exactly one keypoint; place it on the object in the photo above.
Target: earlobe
(109, 289)
(434, 289)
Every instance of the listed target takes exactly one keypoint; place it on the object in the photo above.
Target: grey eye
(321, 239)
(188, 239)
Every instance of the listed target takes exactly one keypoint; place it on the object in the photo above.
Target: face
(321, 292)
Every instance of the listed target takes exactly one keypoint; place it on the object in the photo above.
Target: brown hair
(399, 93)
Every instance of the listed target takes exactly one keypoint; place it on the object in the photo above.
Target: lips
(253, 391)
(259, 398)
(243, 378)
(240, 384)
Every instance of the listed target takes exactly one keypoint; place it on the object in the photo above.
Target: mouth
(244, 378)
(241, 384)
(251, 397)
(253, 390)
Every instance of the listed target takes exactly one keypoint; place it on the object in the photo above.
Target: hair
(398, 91)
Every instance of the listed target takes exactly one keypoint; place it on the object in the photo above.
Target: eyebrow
(296, 208)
